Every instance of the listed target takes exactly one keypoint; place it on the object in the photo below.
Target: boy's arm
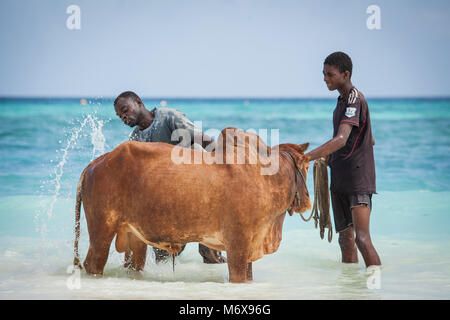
(332, 145)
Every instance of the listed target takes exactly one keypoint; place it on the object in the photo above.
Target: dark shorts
(342, 207)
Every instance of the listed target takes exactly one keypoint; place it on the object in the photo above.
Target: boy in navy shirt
(350, 156)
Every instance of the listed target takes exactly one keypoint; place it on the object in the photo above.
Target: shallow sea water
(45, 144)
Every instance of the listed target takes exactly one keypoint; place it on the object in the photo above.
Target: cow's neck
(285, 180)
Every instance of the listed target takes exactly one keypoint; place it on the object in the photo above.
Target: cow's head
(302, 201)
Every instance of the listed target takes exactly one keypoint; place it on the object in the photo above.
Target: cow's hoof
(95, 275)
(135, 274)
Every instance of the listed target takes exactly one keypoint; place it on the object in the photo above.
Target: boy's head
(337, 70)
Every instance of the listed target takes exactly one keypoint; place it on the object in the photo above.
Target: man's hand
(208, 142)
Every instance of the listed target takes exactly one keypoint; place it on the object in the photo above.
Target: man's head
(129, 108)
(337, 70)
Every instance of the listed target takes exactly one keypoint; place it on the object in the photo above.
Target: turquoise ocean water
(46, 143)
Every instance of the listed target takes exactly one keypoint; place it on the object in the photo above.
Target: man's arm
(332, 145)
(180, 121)
(208, 143)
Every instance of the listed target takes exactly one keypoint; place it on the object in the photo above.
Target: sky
(221, 48)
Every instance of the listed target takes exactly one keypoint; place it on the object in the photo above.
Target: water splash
(97, 138)
(77, 134)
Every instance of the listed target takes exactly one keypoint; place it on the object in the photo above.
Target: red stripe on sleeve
(350, 122)
(360, 131)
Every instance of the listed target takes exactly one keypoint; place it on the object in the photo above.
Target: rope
(321, 206)
(173, 262)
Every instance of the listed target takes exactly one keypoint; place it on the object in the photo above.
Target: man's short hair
(128, 95)
(341, 61)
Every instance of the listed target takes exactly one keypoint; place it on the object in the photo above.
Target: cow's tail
(76, 259)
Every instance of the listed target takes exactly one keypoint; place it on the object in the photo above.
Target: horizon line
(161, 98)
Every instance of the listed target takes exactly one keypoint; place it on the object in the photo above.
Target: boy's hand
(332, 145)
(324, 160)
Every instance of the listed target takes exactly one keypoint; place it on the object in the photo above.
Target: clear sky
(221, 48)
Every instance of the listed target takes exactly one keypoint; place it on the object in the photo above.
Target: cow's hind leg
(100, 241)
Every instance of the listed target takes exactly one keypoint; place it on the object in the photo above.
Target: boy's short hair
(128, 95)
(341, 61)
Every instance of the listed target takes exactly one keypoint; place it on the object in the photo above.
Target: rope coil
(321, 207)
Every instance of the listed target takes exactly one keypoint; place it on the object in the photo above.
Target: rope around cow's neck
(321, 206)
(296, 170)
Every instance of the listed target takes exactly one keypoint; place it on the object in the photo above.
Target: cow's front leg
(237, 265)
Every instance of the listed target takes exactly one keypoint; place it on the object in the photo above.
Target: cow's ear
(307, 158)
(302, 160)
(302, 147)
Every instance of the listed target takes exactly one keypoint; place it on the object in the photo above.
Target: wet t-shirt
(166, 121)
(353, 166)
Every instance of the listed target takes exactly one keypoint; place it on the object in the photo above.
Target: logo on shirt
(350, 112)
(352, 96)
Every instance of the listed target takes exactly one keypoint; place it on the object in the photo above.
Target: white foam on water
(304, 267)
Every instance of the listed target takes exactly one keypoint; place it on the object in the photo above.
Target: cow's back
(138, 183)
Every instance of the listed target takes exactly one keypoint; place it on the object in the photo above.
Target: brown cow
(231, 207)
